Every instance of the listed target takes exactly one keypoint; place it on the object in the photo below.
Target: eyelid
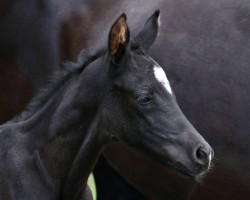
(146, 91)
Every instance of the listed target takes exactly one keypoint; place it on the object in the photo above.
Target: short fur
(49, 152)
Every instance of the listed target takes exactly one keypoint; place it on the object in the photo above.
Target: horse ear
(148, 34)
(118, 38)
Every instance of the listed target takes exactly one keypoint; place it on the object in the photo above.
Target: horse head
(141, 109)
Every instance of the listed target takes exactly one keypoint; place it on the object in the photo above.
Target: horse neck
(84, 163)
(67, 139)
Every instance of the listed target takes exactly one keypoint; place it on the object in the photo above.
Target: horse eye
(144, 100)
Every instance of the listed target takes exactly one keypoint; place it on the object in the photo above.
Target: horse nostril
(202, 155)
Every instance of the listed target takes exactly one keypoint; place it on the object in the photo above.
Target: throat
(66, 136)
(68, 159)
(84, 161)
(61, 133)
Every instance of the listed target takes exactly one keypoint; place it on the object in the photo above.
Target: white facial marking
(162, 78)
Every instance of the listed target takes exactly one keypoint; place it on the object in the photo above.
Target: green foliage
(91, 183)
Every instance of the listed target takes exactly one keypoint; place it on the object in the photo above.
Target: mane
(58, 79)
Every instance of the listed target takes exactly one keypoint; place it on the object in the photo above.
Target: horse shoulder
(20, 170)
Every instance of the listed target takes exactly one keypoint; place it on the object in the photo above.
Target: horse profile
(116, 95)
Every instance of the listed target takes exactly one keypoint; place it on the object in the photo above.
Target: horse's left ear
(118, 38)
(149, 32)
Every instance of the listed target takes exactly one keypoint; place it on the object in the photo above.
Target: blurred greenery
(91, 183)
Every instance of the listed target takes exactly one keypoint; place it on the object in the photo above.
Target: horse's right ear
(118, 39)
(149, 32)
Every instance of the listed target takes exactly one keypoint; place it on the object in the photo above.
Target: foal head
(141, 110)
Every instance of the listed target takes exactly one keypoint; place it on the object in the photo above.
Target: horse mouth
(182, 171)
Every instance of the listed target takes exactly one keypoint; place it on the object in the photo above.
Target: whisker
(192, 192)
